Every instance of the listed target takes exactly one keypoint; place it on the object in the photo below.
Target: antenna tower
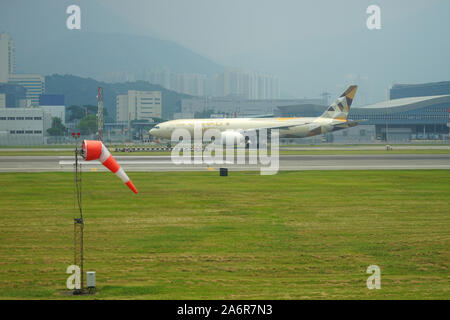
(100, 121)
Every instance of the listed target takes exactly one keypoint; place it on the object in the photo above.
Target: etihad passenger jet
(334, 118)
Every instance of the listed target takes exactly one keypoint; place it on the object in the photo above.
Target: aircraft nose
(154, 131)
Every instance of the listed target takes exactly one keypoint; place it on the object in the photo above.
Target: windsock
(96, 150)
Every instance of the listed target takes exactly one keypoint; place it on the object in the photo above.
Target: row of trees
(87, 121)
(86, 115)
(76, 112)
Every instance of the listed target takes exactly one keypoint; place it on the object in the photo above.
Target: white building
(122, 108)
(138, 105)
(56, 112)
(234, 81)
(23, 126)
(189, 83)
(2, 100)
(33, 83)
(7, 59)
(249, 85)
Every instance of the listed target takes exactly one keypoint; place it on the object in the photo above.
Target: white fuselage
(289, 127)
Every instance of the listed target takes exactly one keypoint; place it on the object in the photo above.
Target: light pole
(388, 147)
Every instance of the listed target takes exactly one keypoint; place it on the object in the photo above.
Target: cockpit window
(156, 127)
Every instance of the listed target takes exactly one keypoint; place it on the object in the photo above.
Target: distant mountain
(82, 91)
(94, 55)
(106, 44)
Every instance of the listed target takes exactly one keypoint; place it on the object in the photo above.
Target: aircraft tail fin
(340, 108)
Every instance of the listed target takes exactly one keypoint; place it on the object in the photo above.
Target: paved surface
(285, 147)
(287, 162)
(376, 147)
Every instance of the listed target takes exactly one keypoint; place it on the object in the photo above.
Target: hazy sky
(312, 46)
(223, 29)
(302, 41)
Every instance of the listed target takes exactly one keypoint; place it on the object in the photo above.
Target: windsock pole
(93, 150)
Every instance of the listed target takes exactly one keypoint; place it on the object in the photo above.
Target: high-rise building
(33, 83)
(233, 82)
(249, 85)
(122, 113)
(189, 83)
(15, 96)
(7, 60)
(138, 105)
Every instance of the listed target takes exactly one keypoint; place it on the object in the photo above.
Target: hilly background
(312, 46)
(105, 44)
(74, 61)
(83, 91)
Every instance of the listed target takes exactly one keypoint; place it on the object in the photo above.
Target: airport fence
(122, 140)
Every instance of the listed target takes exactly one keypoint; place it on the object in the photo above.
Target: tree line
(85, 115)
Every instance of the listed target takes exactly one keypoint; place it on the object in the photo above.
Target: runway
(284, 147)
(286, 162)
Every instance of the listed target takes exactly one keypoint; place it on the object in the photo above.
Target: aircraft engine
(327, 128)
(232, 137)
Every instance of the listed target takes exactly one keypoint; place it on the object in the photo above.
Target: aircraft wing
(348, 124)
(312, 125)
(285, 125)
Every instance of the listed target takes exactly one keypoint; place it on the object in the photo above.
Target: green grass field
(294, 235)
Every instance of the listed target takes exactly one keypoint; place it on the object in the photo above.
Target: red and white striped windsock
(96, 150)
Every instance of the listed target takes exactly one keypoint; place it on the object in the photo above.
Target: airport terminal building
(405, 119)
(400, 120)
(398, 91)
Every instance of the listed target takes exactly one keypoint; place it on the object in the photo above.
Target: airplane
(333, 119)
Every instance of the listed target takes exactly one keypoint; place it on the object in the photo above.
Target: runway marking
(84, 163)
(62, 162)
(199, 168)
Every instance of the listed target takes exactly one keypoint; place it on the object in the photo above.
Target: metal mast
(78, 222)
(100, 121)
